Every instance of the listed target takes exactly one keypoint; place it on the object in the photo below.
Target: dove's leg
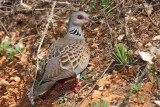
(61, 84)
(75, 85)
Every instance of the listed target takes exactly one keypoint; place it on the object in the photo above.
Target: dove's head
(79, 18)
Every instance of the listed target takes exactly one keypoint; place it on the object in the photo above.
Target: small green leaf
(41, 63)
(8, 52)
(1, 49)
(111, 6)
(105, 3)
(129, 94)
(93, 74)
(90, 6)
(52, 40)
(33, 105)
(12, 50)
(140, 96)
(36, 82)
(17, 47)
(97, 105)
(62, 100)
(110, 14)
(6, 45)
(17, 52)
(84, 77)
(22, 49)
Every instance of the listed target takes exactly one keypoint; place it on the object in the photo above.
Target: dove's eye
(80, 17)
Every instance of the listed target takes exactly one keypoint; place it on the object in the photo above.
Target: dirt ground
(135, 23)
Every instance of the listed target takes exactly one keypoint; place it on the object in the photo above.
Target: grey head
(76, 20)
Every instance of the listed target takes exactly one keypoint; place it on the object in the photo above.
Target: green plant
(102, 103)
(4, 45)
(52, 40)
(84, 76)
(122, 55)
(9, 51)
(135, 89)
(62, 100)
(90, 7)
(105, 4)
(93, 74)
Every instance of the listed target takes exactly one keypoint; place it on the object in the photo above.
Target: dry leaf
(2, 60)
(148, 45)
(149, 8)
(155, 51)
(5, 39)
(94, 46)
(140, 44)
(4, 82)
(156, 38)
(96, 94)
(157, 102)
(120, 37)
(17, 79)
(24, 59)
(146, 57)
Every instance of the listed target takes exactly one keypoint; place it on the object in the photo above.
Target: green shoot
(62, 100)
(135, 87)
(102, 103)
(84, 76)
(121, 54)
(52, 40)
(105, 4)
(9, 51)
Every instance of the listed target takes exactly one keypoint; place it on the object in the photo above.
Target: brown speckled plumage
(66, 58)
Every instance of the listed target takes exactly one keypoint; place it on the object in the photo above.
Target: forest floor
(105, 78)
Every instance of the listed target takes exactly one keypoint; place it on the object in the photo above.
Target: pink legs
(61, 85)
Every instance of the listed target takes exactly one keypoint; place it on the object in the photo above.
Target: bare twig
(95, 84)
(107, 23)
(137, 82)
(38, 9)
(115, 6)
(148, 15)
(30, 94)
(4, 28)
(128, 43)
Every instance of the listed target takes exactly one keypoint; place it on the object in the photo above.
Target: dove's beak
(91, 21)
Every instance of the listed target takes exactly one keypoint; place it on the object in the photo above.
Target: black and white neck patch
(75, 32)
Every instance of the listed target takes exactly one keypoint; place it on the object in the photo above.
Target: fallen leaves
(120, 37)
(156, 38)
(104, 81)
(96, 94)
(146, 56)
(4, 82)
(148, 45)
(94, 46)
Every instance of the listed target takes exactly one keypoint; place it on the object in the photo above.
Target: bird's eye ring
(80, 17)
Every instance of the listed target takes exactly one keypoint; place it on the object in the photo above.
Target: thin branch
(107, 23)
(95, 84)
(148, 15)
(125, 34)
(38, 9)
(30, 94)
(115, 6)
(137, 82)
(4, 28)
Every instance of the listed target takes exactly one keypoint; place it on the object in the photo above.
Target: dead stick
(4, 28)
(149, 15)
(95, 84)
(30, 94)
(107, 23)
